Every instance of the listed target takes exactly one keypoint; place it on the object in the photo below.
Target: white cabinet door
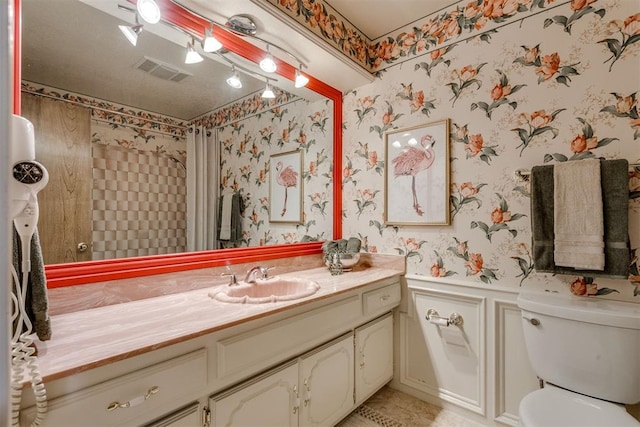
(190, 416)
(326, 382)
(270, 400)
(374, 356)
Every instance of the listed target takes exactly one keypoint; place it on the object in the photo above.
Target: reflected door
(63, 146)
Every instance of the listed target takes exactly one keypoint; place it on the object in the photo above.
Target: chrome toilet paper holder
(454, 319)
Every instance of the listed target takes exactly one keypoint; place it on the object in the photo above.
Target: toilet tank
(587, 345)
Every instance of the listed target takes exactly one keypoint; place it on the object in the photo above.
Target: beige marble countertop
(95, 337)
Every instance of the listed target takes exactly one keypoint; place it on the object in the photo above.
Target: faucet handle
(265, 271)
(232, 278)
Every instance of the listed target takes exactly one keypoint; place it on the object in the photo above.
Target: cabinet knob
(135, 401)
(82, 246)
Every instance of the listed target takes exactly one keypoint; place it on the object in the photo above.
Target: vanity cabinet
(374, 356)
(305, 366)
(315, 389)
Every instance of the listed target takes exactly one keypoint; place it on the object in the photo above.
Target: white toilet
(587, 351)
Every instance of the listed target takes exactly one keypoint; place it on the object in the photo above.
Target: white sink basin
(268, 290)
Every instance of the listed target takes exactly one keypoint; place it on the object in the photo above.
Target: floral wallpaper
(560, 84)
(460, 22)
(243, 108)
(246, 147)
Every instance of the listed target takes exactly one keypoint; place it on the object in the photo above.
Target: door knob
(82, 246)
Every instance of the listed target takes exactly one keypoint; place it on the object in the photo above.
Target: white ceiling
(75, 45)
(376, 18)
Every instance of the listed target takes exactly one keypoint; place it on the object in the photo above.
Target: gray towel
(237, 209)
(353, 245)
(615, 199)
(37, 302)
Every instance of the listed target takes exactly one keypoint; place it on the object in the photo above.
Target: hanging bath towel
(615, 196)
(577, 216)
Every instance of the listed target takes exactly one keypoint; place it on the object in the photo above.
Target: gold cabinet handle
(135, 401)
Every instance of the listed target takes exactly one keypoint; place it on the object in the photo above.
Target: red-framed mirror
(96, 271)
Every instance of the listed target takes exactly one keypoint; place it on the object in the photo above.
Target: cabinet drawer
(274, 343)
(176, 381)
(381, 300)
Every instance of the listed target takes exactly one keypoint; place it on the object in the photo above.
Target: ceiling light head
(192, 57)
(268, 65)
(301, 79)
(210, 43)
(149, 11)
(131, 32)
(234, 81)
(268, 92)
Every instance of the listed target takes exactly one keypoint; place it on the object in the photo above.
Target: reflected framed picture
(285, 187)
(417, 175)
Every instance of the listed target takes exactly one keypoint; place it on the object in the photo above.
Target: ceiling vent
(162, 69)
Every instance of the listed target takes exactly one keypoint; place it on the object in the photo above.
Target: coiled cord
(22, 350)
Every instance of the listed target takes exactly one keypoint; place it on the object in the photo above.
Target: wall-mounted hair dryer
(29, 177)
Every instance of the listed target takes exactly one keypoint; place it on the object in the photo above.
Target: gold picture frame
(417, 175)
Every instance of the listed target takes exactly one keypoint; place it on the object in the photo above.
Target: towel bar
(523, 175)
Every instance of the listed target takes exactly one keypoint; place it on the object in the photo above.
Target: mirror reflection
(146, 153)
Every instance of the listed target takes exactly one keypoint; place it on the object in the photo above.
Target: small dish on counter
(348, 260)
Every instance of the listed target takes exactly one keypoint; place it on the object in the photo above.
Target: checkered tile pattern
(139, 203)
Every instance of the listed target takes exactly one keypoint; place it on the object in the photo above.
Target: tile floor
(392, 408)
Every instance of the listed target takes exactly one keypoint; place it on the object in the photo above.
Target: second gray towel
(615, 199)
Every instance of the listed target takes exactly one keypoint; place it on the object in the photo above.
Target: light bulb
(192, 57)
(149, 11)
(268, 65)
(268, 93)
(131, 32)
(210, 43)
(234, 81)
(301, 79)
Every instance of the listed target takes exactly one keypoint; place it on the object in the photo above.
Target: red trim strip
(17, 55)
(60, 275)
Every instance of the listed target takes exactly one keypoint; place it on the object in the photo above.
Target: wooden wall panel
(63, 146)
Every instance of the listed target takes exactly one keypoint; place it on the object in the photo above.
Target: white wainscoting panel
(456, 352)
(480, 369)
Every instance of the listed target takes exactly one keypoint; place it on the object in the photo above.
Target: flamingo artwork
(412, 161)
(286, 177)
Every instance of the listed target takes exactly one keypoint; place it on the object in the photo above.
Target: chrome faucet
(251, 274)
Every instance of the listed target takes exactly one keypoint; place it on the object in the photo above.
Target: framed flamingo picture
(285, 187)
(417, 175)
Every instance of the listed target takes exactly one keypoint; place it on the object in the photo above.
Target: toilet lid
(552, 406)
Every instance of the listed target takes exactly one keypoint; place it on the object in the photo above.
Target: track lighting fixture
(268, 92)
(148, 11)
(131, 32)
(301, 79)
(268, 65)
(192, 57)
(210, 43)
(234, 81)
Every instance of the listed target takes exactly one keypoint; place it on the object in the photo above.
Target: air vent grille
(161, 69)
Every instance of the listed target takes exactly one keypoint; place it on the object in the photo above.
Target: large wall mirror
(117, 125)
